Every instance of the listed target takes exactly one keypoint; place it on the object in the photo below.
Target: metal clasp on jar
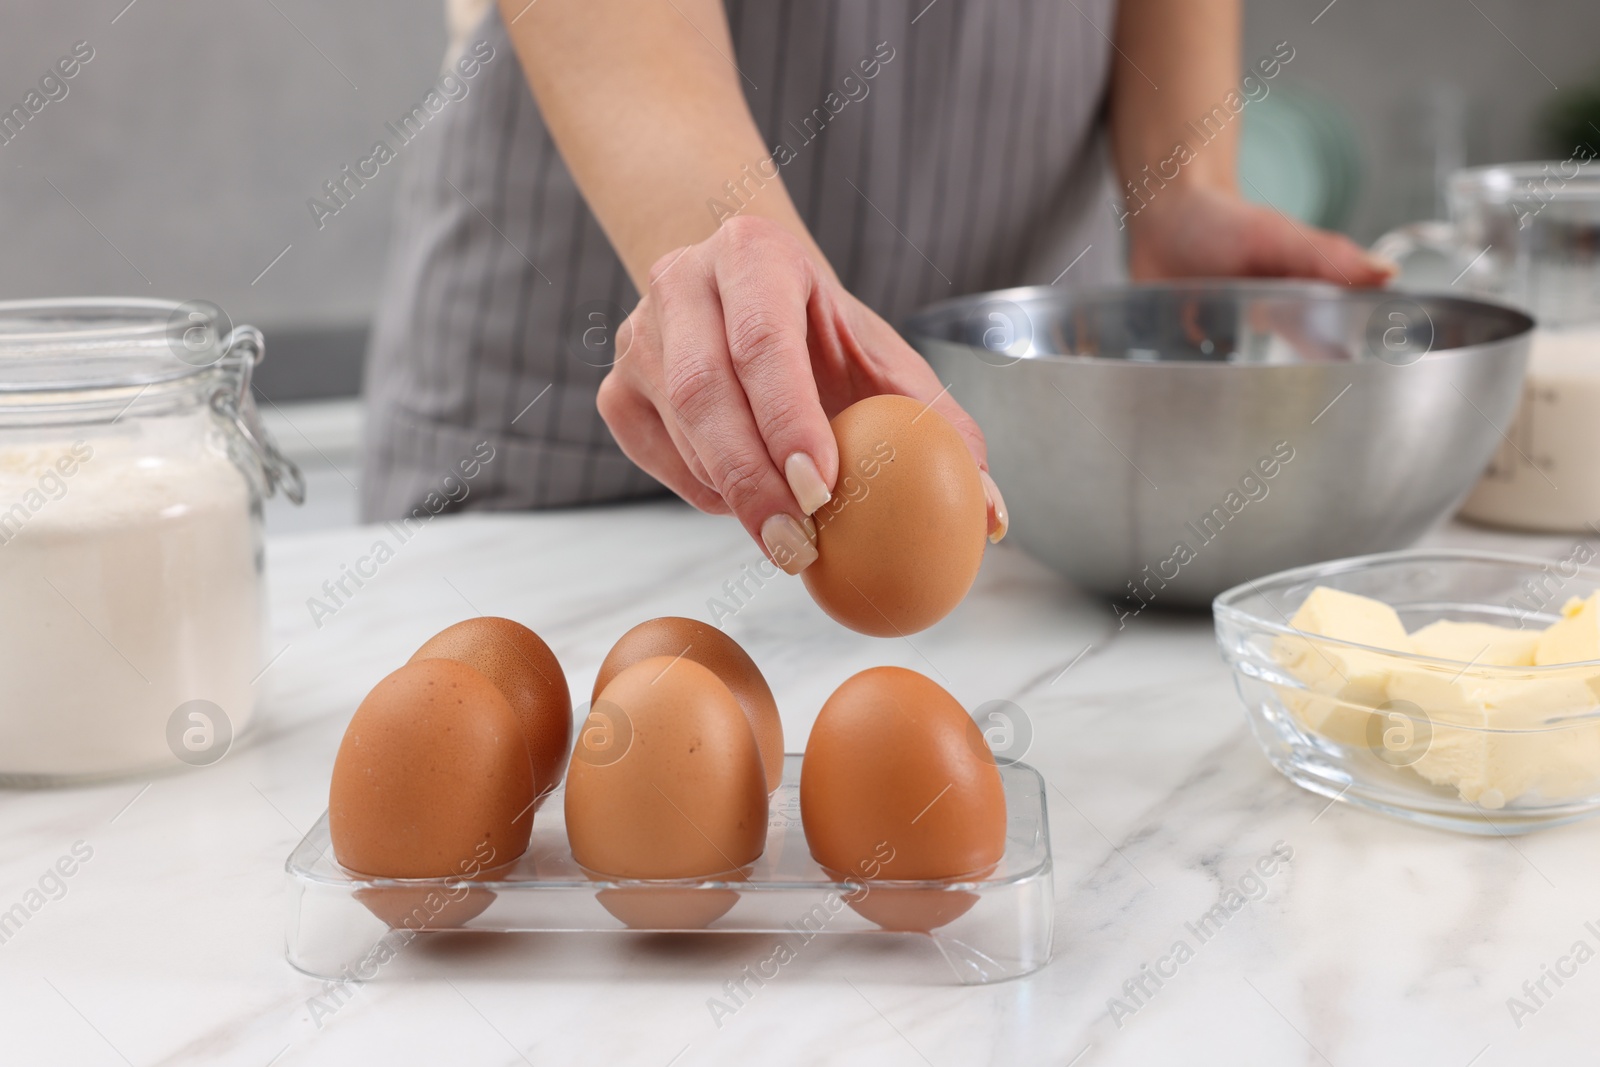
(245, 347)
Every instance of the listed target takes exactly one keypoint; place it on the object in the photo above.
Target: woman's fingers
(639, 417)
(1353, 264)
(714, 413)
(730, 365)
(644, 439)
(1282, 247)
(765, 281)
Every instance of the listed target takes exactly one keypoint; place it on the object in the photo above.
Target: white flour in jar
(1544, 475)
(129, 585)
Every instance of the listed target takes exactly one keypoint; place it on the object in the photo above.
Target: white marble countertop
(1376, 943)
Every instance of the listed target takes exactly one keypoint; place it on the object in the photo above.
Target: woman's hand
(1191, 230)
(745, 343)
(730, 368)
(1192, 222)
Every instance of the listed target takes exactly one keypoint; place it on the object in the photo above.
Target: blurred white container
(1529, 234)
(1546, 474)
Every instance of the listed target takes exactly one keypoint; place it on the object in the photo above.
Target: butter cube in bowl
(1456, 689)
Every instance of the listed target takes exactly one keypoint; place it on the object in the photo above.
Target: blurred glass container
(132, 471)
(1471, 747)
(1529, 234)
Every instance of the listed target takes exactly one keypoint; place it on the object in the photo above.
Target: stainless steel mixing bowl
(1161, 443)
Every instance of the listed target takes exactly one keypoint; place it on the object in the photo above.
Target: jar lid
(99, 343)
(1533, 184)
(78, 360)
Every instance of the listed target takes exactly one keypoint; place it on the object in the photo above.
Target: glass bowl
(1458, 745)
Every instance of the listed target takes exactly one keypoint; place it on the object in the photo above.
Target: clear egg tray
(986, 930)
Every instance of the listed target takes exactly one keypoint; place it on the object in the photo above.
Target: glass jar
(1529, 234)
(1520, 233)
(133, 465)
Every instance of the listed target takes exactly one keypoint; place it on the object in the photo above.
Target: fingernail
(788, 544)
(1382, 264)
(805, 482)
(1002, 522)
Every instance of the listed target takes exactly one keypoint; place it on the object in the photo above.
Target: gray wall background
(192, 141)
(194, 137)
(1387, 64)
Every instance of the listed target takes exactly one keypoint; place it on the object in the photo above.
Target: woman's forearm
(1177, 61)
(649, 112)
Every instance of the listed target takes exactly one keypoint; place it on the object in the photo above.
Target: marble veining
(1373, 943)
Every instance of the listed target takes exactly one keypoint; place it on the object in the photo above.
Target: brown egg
(921, 910)
(432, 779)
(428, 906)
(525, 671)
(898, 784)
(721, 654)
(666, 778)
(436, 905)
(899, 544)
(652, 907)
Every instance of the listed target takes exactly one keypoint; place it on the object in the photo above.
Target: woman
(781, 181)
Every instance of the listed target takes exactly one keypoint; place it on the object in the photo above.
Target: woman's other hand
(1178, 59)
(1190, 230)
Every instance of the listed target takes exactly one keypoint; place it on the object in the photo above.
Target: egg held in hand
(518, 663)
(898, 784)
(432, 779)
(900, 542)
(722, 655)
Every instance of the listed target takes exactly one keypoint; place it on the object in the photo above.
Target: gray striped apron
(974, 159)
